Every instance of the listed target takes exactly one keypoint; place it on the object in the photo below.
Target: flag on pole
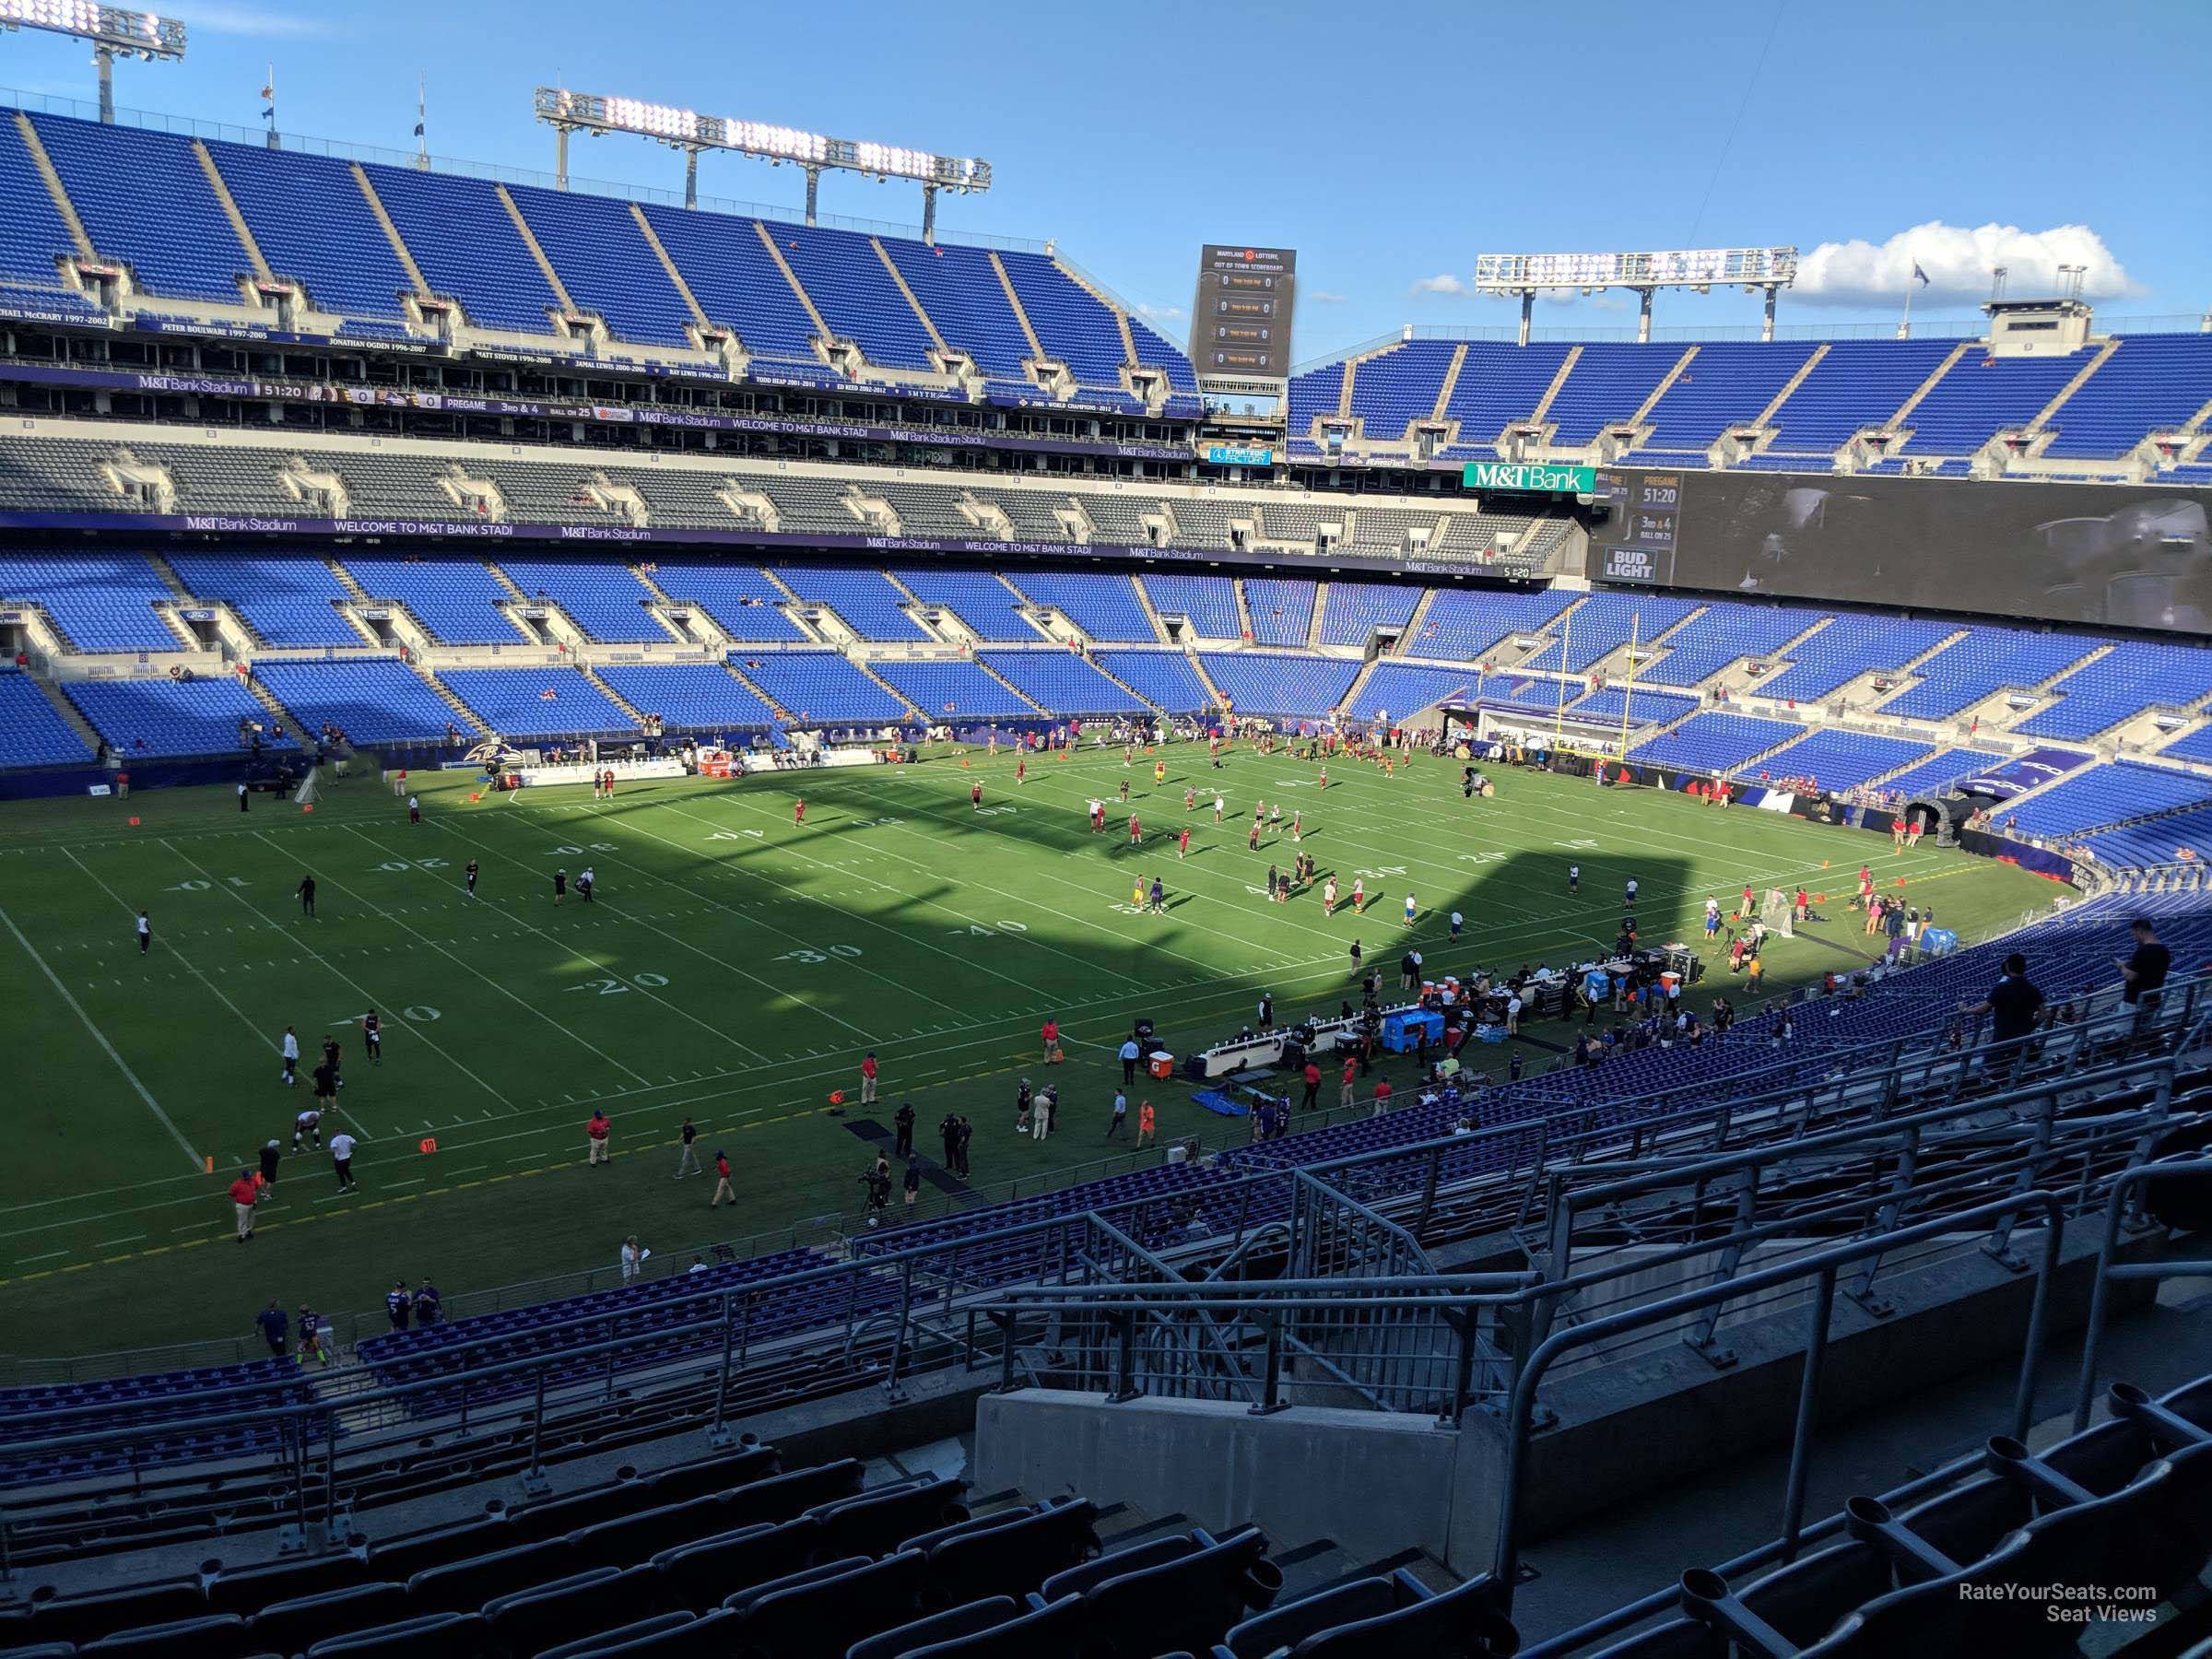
(1919, 276)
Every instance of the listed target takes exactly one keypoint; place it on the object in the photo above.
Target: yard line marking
(872, 921)
(101, 1037)
(244, 1019)
(502, 990)
(48, 1256)
(351, 982)
(126, 1238)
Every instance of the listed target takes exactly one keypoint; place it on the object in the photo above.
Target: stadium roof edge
(192, 127)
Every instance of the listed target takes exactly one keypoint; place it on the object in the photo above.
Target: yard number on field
(614, 987)
(806, 953)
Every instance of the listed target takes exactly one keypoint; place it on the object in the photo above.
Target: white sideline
(198, 1163)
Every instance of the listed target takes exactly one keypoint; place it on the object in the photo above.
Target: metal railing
(1709, 1223)
(1823, 1270)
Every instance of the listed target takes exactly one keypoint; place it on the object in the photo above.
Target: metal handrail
(1823, 1267)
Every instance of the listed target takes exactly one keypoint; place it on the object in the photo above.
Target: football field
(735, 967)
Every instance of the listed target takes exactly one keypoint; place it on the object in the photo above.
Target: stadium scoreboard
(1638, 543)
(1241, 317)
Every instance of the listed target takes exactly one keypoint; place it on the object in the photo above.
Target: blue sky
(1390, 145)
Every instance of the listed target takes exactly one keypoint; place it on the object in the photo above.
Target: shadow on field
(1516, 903)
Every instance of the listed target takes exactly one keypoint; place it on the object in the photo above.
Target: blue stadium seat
(1289, 685)
(1714, 743)
(455, 599)
(984, 604)
(865, 600)
(606, 599)
(33, 732)
(1062, 682)
(1209, 603)
(287, 598)
(313, 225)
(376, 702)
(100, 601)
(468, 247)
(1104, 606)
(1163, 678)
(144, 199)
(953, 691)
(603, 259)
(166, 719)
(688, 696)
(741, 600)
(538, 703)
(812, 687)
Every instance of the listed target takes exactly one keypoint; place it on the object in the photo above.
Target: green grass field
(735, 967)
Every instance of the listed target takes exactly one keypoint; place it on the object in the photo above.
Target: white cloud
(1323, 297)
(1958, 260)
(1444, 283)
(260, 22)
(1161, 314)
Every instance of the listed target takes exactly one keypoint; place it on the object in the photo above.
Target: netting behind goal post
(310, 788)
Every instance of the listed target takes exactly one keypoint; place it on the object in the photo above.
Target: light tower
(1757, 270)
(691, 132)
(110, 29)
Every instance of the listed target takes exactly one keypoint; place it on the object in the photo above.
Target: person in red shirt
(1382, 1097)
(722, 1181)
(245, 1192)
(1312, 1087)
(798, 810)
(868, 1078)
(1146, 1121)
(1137, 831)
(1749, 905)
(1021, 769)
(975, 794)
(1050, 1034)
(1804, 904)
(1351, 1082)
(595, 1137)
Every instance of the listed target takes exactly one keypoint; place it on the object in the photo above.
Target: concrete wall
(1373, 1481)
(1377, 1482)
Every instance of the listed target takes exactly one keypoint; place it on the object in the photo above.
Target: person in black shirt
(2012, 1004)
(959, 1144)
(307, 895)
(372, 1037)
(429, 1305)
(270, 1153)
(2145, 972)
(902, 1122)
(397, 1304)
(272, 1325)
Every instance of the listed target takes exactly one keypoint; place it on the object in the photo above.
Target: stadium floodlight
(1757, 270)
(110, 29)
(688, 130)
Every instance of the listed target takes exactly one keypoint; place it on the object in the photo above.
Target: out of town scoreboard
(1240, 318)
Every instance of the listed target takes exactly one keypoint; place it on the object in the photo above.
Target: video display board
(2118, 555)
(1240, 318)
